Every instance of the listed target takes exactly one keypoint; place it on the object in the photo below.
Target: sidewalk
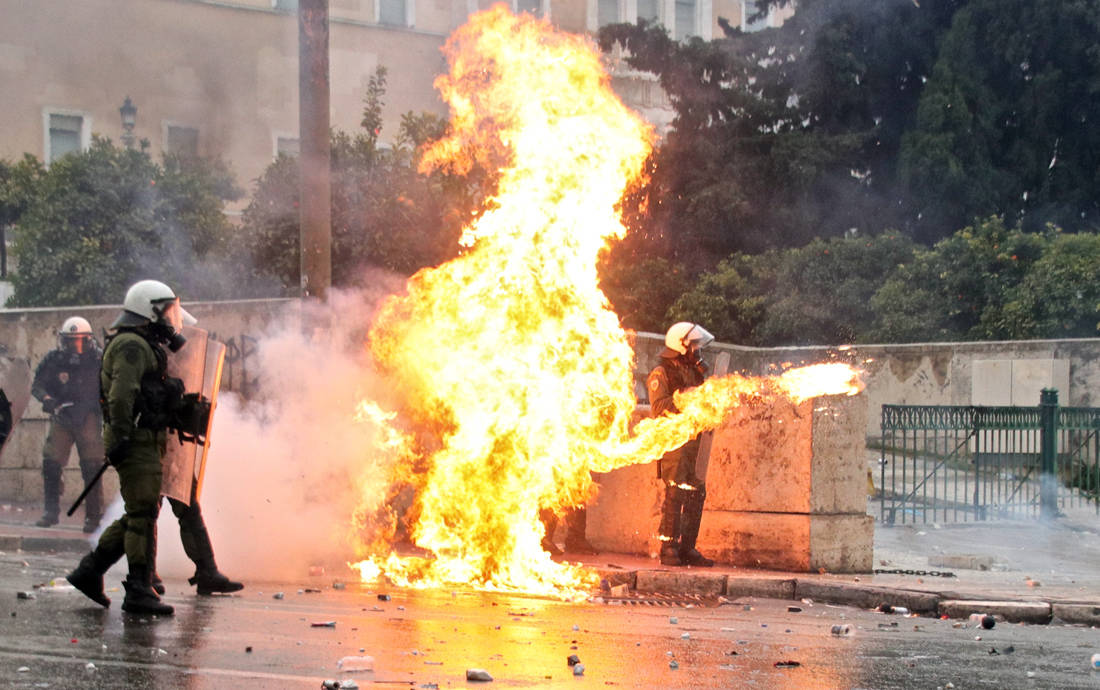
(1018, 571)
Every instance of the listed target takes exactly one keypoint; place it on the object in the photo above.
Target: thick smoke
(286, 471)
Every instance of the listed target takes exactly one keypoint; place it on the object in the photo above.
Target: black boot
(93, 503)
(210, 580)
(670, 554)
(197, 546)
(88, 578)
(51, 491)
(157, 583)
(669, 529)
(693, 515)
(576, 522)
(549, 525)
(140, 597)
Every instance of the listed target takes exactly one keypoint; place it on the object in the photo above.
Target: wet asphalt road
(418, 638)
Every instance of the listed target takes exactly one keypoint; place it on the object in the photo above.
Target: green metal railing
(965, 463)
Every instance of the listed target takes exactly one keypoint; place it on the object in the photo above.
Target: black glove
(117, 453)
(49, 405)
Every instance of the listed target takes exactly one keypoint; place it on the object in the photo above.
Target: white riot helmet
(153, 302)
(75, 334)
(684, 335)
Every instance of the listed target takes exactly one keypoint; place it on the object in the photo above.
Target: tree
(953, 290)
(384, 213)
(1058, 298)
(98, 220)
(1006, 124)
(786, 134)
(816, 294)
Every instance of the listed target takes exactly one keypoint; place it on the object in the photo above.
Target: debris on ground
(323, 624)
(685, 636)
(356, 663)
(479, 674)
(384, 597)
(573, 660)
(673, 620)
(25, 595)
(339, 585)
(278, 595)
(794, 609)
(673, 665)
(1094, 662)
(788, 664)
(578, 670)
(841, 630)
(346, 684)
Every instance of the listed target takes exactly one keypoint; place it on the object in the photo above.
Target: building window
(748, 10)
(288, 5)
(66, 132)
(181, 141)
(530, 6)
(287, 146)
(393, 12)
(607, 12)
(649, 10)
(685, 19)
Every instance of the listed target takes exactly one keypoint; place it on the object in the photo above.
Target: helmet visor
(176, 316)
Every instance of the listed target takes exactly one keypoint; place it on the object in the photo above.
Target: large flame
(510, 356)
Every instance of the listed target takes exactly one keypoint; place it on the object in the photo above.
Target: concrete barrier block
(842, 543)
(838, 459)
(1011, 611)
(760, 459)
(776, 541)
(682, 582)
(624, 516)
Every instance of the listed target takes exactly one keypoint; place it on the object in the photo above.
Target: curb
(43, 544)
(704, 584)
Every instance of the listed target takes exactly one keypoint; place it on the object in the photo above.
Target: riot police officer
(136, 395)
(66, 382)
(681, 366)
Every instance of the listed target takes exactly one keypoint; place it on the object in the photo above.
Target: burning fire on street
(515, 376)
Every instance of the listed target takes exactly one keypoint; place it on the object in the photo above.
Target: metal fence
(969, 463)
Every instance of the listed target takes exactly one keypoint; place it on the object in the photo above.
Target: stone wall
(31, 333)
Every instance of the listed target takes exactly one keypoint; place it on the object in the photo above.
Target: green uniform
(128, 360)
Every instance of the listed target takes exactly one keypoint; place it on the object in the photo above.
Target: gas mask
(170, 324)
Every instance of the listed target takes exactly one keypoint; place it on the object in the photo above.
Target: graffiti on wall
(240, 372)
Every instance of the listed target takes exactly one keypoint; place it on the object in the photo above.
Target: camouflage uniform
(67, 383)
(682, 509)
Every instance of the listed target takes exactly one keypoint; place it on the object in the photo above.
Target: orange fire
(513, 369)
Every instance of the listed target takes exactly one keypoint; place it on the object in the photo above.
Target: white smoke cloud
(286, 471)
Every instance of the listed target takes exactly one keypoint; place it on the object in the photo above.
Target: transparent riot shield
(199, 365)
(15, 393)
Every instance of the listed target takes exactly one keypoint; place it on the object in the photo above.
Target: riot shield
(199, 365)
(15, 393)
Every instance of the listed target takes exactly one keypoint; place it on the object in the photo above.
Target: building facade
(219, 78)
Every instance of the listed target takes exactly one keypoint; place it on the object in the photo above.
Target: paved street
(420, 638)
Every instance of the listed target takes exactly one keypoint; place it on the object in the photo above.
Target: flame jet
(511, 352)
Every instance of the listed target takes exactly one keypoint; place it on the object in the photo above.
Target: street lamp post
(128, 111)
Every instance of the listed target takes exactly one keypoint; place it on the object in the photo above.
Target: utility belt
(162, 405)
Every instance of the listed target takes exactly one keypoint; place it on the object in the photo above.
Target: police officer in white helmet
(66, 382)
(681, 367)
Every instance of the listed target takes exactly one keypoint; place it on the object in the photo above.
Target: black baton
(88, 488)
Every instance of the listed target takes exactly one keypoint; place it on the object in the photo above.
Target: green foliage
(955, 290)
(1006, 123)
(384, 213)
(1058, 298)
(99, 220)
(819, 293)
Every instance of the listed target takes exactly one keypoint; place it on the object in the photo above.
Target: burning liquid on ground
(514, 375)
